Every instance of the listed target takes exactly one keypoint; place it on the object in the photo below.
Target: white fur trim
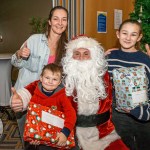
(88, 138)
(83, 42)
(25, 96)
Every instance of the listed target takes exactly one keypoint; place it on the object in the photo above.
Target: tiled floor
(10, 139)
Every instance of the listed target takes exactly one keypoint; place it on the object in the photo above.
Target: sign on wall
(117, 18)
(101, 22)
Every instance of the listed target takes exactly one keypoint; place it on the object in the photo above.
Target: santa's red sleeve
(26, 93)
(32, 86)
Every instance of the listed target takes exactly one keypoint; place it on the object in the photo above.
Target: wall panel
(108, 39)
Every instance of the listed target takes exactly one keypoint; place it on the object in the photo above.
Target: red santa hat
(83, 41)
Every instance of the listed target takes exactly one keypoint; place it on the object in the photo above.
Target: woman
(39, 50)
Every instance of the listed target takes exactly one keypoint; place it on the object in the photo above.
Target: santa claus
(87, 81)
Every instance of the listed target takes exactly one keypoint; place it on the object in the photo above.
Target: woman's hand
(24, 52)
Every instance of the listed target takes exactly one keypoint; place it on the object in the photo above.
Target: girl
(135, 133)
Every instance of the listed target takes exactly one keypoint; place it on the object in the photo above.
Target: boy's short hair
(54, 68)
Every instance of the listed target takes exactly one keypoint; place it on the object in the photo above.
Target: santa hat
(83, 41)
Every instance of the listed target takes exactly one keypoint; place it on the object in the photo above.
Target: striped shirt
(119, 58)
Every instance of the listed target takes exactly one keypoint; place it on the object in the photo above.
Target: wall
(15, 14)
(108, 39)
(14, 21)
(15, 28)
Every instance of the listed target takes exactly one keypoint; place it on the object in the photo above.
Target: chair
(5, 83)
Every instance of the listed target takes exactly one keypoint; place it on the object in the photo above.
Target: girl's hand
(147, 47)
(126, 110)
(62, 139)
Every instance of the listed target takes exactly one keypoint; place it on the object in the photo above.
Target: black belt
(92, 120)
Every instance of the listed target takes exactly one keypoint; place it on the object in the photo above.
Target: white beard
(86, 78)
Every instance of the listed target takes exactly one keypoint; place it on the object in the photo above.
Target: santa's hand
(62, 139)
(110, 50)
(16, 101)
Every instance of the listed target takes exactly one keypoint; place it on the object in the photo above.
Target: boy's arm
(70, 114)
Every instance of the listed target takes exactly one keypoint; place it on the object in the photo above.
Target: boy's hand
(62, 139)
(16, 101)
(35, 142)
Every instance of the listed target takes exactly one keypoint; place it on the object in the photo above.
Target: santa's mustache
(85, 79)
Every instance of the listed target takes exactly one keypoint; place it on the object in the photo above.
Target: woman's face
(59, 21)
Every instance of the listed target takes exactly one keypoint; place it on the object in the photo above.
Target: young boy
(50, 92)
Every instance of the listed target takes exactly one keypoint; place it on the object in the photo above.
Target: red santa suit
(107, 138)
(87, 80)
